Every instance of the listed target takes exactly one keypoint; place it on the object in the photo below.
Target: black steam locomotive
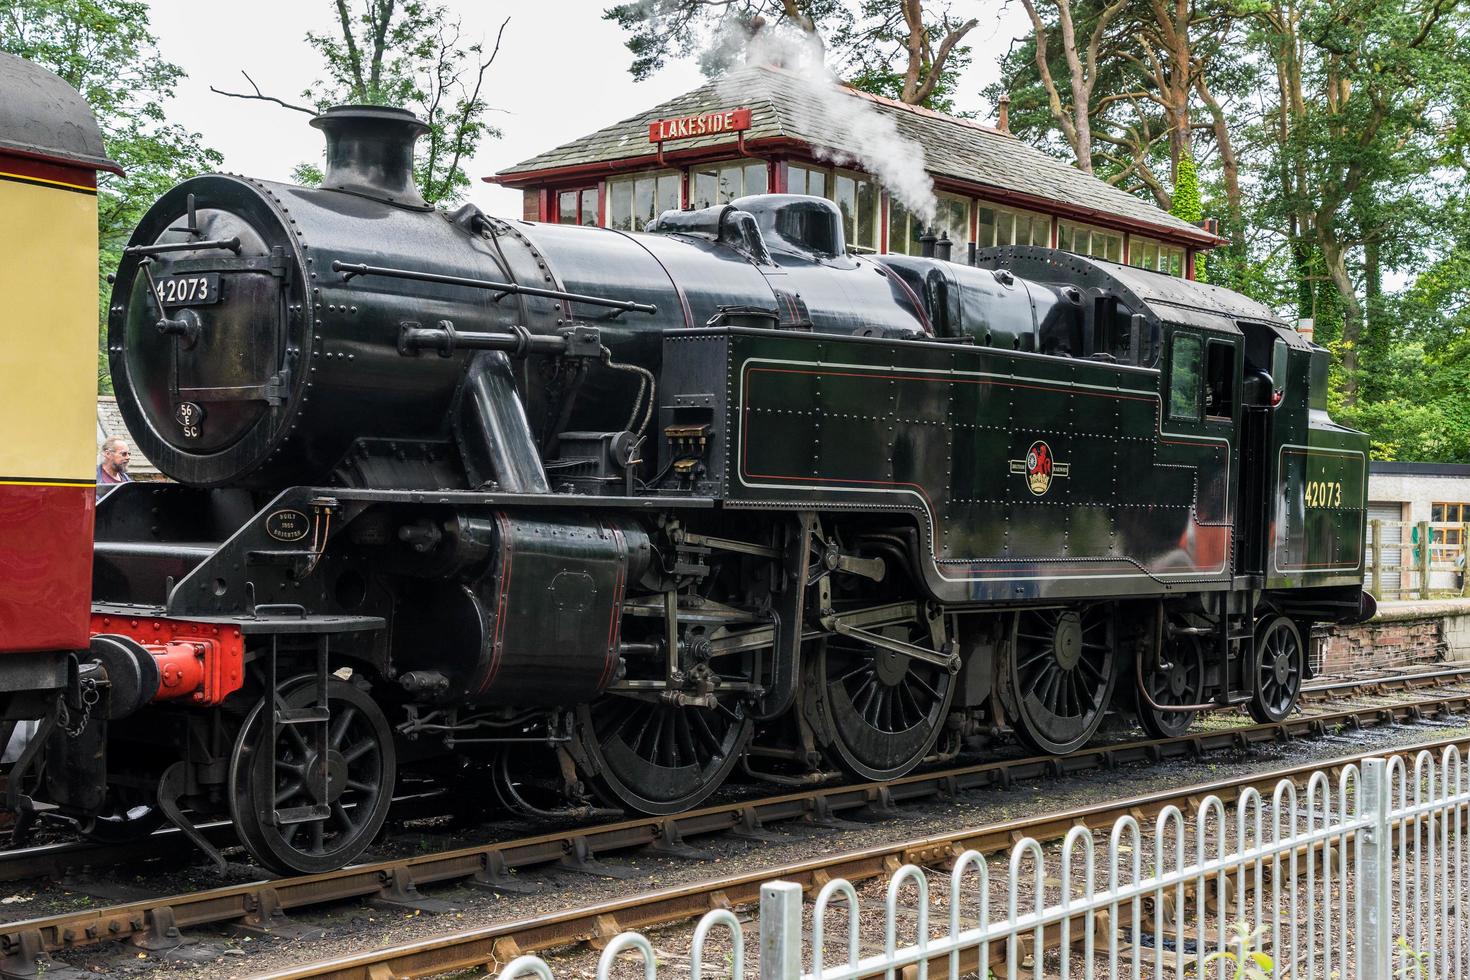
(571, 516)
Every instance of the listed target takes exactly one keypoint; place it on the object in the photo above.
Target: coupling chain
(90, 696)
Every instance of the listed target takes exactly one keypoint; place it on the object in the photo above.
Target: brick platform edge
(1403, 634)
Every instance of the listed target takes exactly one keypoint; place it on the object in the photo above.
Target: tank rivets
(354, 309)
(351, 357)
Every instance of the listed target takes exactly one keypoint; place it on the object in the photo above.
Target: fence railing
(1416, 558)
(1361, 876)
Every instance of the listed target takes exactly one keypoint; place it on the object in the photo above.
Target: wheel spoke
(290, 790)
(339, 726)
(359, 750)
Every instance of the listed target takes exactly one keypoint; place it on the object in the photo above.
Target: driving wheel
(655, 757)
(878, 712)
(1060, 671)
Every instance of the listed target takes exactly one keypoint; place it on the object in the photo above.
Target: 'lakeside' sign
(705, 124)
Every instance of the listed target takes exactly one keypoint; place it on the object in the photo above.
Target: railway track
(56, 859)
(158, 922)
(500, 943)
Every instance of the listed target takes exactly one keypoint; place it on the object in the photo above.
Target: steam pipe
(351, 270)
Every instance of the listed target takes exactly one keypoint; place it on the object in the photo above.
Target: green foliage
(1186, 205)
(1249, 962)
(106, 50)
(413, 55)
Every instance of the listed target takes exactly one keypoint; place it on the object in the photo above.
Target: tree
(893, 48)
(896, 48)
(1073, 107)
(1362, 93)
(106, 50)
(409, 54)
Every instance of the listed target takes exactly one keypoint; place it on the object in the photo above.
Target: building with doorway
(707, 148)
(1410, 501)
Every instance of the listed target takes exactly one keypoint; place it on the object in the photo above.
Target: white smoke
(865, 135)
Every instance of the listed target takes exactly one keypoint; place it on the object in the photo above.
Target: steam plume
(864, 134)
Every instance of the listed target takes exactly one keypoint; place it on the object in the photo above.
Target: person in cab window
(114, 466)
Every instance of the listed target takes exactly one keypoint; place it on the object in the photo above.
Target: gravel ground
(355, 928)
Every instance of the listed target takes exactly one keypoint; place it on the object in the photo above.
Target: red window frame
(584, 199)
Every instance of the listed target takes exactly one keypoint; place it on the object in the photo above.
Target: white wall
(1420, 493)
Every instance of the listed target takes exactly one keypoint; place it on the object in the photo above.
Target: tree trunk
(1334, 259)
(1229, 162)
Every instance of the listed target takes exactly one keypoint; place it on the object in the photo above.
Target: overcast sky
(562, 73)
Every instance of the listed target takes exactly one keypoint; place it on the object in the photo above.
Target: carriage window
(1220, 380)
(1184, 377)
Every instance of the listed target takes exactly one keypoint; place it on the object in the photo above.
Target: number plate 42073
(199, 289)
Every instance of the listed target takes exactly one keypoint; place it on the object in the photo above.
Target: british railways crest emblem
(1039, 468)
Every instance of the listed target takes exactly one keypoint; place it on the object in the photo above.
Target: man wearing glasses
(114, 465)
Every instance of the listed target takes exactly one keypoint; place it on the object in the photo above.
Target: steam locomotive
(578, 518)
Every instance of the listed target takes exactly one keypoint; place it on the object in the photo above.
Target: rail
(1270, 879)
(492, 865)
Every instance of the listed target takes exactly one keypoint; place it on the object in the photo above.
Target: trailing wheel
(877, 713)
(653, 756)
(1178, 678)
(1281, 663)
(289, 817)
(1059, 674)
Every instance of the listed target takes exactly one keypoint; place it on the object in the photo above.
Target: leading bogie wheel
(1281, 665)
(270, 777)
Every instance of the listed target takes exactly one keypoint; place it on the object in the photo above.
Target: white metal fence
(1359, 876)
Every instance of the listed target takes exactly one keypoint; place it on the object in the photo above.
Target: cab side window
(1220, 380)
(1184, 377)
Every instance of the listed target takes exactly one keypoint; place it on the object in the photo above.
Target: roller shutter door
(1393, 554)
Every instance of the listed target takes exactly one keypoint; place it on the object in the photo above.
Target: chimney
(370, 152)
(1003, 113)
(926, 243)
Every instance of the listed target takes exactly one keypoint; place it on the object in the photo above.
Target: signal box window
(855, 196)
(1220, 381)
(1184, 377)
(724, 182)
(999, 226)
(1150, 253)
(1087, 240)
(952, 218)
(578, 207)
(635, 201)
